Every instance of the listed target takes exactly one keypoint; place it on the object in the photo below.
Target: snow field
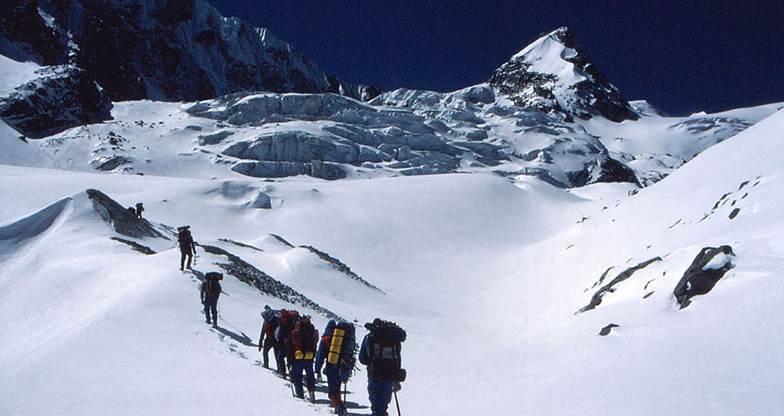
(486, 276)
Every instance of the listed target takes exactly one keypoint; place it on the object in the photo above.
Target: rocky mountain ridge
(553, 74)
(181, 50)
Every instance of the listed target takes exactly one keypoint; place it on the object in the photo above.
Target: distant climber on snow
(210, 292)
(267, 339)
(337, 349)
(187, 246)
(380, 352)
(303, 343)
(139, 210)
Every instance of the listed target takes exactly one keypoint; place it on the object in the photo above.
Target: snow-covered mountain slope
(487, 277)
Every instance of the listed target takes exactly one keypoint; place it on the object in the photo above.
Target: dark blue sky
(682, 56)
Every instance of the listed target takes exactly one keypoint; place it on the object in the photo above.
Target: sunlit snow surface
(485, 274)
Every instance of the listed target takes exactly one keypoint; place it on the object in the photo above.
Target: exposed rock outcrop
(61, 98)
(710, 265)
(122, 220)
(596, 299)
(247, 273)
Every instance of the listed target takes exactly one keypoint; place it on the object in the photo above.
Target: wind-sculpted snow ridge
(14, 236)
(247, 273)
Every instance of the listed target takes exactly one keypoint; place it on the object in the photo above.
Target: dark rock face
(585, 95)
(122, 220)
(25, 36)
(705, 271)
(63, 97)
(172, 50)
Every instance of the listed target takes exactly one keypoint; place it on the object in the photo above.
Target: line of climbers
(296, 345)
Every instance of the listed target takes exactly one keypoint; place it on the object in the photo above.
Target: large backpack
(342, 348)
(384, 345)
(287, 321)
(304, 337)
(213, 288)
(184, 237)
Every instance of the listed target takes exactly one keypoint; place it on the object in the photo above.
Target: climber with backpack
(380, 352)
(303, 342)
(210, 291)
(283, 336)
(187, 245)
(337, 349)
(139, 210)
(267, 339)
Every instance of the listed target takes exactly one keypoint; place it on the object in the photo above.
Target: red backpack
(305, 337)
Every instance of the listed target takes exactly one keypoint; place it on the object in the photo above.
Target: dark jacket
(210, 288)
(186, 241)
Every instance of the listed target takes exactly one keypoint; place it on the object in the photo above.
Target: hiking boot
(208, 321)
(312, 396)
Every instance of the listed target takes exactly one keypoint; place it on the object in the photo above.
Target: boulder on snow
(705, 271)
(107, 163)
(607, 329)
(262, 201)
(62, 97)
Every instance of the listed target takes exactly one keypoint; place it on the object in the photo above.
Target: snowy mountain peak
(554, 75)
(561, 37)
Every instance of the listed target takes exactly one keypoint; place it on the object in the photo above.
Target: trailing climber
(283, 335)
(187, 246)
(303, 340)
(380, 352)
(139, 210)
(210, 291)
(267, 339)
(337, 349)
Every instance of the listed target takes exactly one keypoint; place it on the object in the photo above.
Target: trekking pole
(397, 404)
